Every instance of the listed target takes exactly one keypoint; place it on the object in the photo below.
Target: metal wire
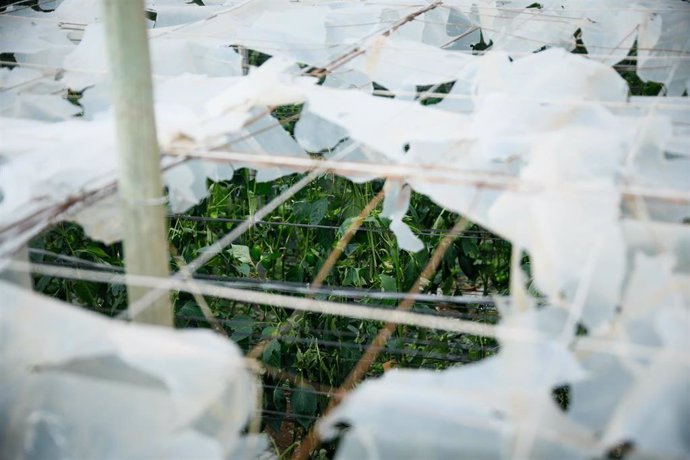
(317, 333)
(471, 234)
(316, 340)
(427, 173)
(305, 389)
(286, 415)
(283, 286)
(386, 350)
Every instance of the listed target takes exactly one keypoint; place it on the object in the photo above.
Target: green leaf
(279, 399)
(304, 403)
(351, 248)
(244, 269)
(190, 310)
(353, 329)
(395, 344)
(318, 211)
(85, 292)
(43, 283)
(242, 327)
(271, 354)
(388, 283)
(469, 246)
(268, 331)
(241, 253)
(300, 209)
(95, 251)
(344, 226)
(450, 256)
(352, 277)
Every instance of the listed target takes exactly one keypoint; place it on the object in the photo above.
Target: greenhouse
(344, 229)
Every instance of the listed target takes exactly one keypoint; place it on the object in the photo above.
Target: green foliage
(288, 115)
(291, 247)
(443, 89)
(304, 404)
(628, 70)
(68, 239)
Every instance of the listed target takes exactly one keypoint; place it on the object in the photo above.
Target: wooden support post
(140, 184)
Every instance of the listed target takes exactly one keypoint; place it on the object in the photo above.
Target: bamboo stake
(312, 441)
(140, 184)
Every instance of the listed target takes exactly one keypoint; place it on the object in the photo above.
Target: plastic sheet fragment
(316, 134)
(399, 64)
(473, 410)
(92, 387)
(170, 56)
(395, 206)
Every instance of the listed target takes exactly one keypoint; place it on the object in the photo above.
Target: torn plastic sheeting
(266, 136)
(404, 415)
(389, 124)
(399, 122)
(560, 228)
(278, 37)
(83, 161)
(622, 396)
(87, 64)
(67, 167)
(463, 25)
(44, 107)
(634, 393)
(397, 63)
(516, 29)
(179, 102)
(348, 25)
(654, 410)
(485, 404)
(655, 238)
(175, 14)
(666, 61)
(276, 82)
(360, 154)
(182, 115)
(326, 32)
(600, 29)
(535, 118)
(316, 134)
(73, 169)
(528, 127)
(10, 78)
(395, 206)
(187, 182)
(55, 30)
(91, 387)
(553, 74)
(74, 12)
(22, 35)
(101, 220)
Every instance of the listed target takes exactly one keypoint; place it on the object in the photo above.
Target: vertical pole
(140, 184)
